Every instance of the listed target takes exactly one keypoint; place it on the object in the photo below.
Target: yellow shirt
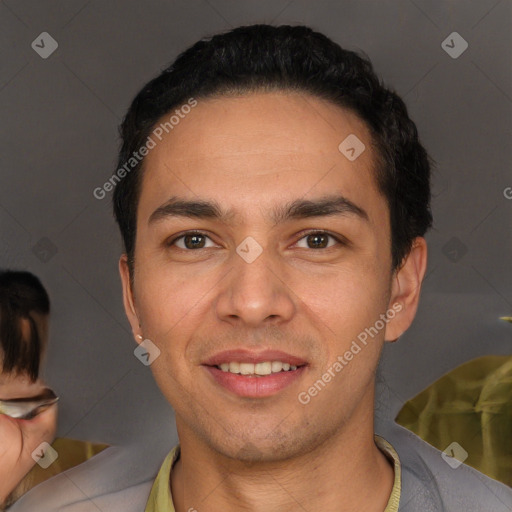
(160, 498)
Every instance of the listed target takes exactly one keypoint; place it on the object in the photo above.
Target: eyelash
(170, 243)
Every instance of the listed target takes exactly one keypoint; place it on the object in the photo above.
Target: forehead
(12, 378)
(18, 385)
(260, 147)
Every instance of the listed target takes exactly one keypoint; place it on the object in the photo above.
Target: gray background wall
(59, 140)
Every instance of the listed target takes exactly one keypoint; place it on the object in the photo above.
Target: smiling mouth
(262, 369)
(256, 380)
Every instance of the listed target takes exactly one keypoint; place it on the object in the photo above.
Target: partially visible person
(24, 319)
(24, 326)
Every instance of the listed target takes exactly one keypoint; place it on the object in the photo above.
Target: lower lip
(257, 387)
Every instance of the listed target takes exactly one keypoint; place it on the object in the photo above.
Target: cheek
(171, 308)
(346, 296)
(344, 314)
(164, 299)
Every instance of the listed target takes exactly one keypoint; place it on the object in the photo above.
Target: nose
(256, 292)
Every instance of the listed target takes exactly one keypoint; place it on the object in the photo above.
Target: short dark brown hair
(263, 57)
(21, 295)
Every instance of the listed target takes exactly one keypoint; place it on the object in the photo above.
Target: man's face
(308, 296)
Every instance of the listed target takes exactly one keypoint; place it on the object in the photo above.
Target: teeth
(277, 366)
(265, 368)
(246, 368)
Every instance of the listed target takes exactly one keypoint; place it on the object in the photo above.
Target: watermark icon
(507, 193)
(304, 397)
(45, 249)
(454, 45)
(249, 249)
(454, 455)
(351, 147)
(146, 352)
(45, 455)
(44, 45)
(454, 249)
(137, 156)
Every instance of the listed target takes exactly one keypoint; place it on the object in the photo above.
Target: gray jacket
(119, 479)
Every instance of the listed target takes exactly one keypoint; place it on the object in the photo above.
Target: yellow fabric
(470, 405)
(390, 452)
(160, 498)
(71, 453)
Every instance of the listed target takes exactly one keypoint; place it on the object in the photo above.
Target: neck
(345, 473)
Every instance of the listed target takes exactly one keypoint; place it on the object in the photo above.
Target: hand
(19, 438)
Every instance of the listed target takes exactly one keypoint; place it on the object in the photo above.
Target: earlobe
(405, 290)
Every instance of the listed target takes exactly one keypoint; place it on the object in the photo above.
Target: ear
(128, 297)
(405, 290)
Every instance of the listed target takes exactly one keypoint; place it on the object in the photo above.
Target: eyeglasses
(29, 407)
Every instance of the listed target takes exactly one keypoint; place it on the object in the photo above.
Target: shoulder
(430, 483)
(118, 479)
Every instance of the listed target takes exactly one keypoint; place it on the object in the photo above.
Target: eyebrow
(297, 209)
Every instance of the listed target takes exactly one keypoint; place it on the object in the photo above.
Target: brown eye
(318, 240)
(193, 241)
(190, 241)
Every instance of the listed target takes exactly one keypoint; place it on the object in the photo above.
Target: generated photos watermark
(137, 156)
(304, 397)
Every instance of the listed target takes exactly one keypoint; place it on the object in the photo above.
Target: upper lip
(246, 356)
